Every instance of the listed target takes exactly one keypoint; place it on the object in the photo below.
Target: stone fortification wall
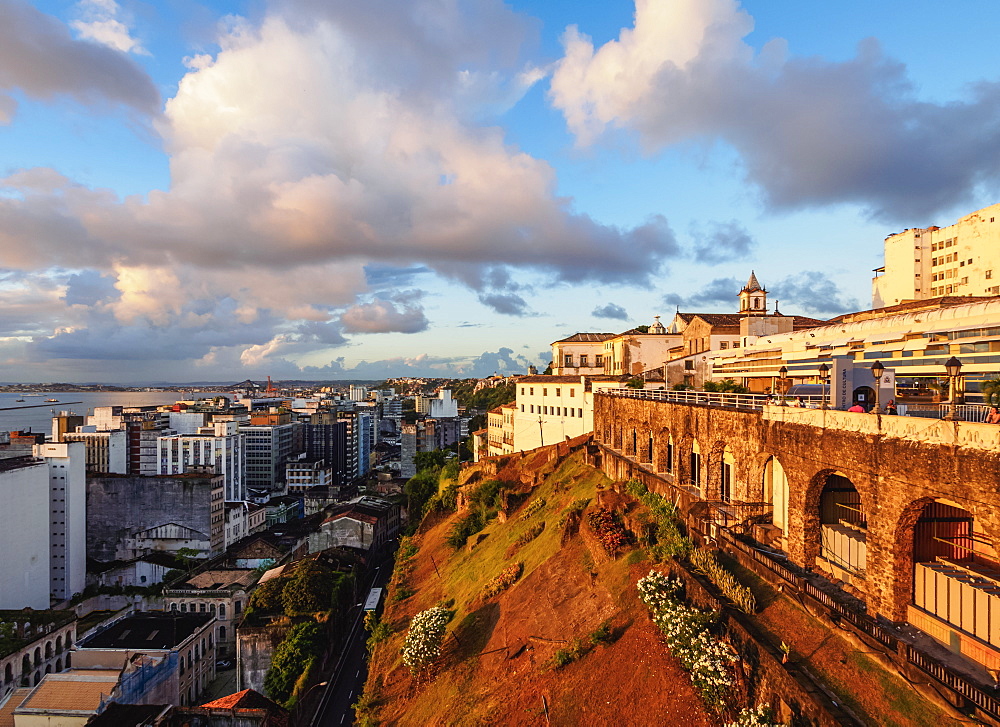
(897, 464)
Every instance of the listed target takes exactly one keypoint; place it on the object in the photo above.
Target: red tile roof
(247, 699)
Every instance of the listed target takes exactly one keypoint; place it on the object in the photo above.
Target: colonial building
(551, 409)
(40, 645)
(581, 353)
(220, 592)
(705, 336)
(500, 430)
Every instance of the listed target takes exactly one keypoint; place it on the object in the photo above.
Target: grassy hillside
(569, 642)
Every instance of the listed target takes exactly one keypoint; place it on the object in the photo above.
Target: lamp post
(783, 376)
(824, 376)
(954, 368)
(877, 370)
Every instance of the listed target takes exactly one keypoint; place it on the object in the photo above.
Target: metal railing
(956, 682)
(713, 398)
(961, 412)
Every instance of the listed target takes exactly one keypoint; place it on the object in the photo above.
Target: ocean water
(38, 418)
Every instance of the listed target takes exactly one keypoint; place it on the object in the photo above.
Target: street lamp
(300, 704)
(783, 376)
(824, 376)
(954, 368)
(877, 370)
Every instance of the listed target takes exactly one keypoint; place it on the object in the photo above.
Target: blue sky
(315, 189)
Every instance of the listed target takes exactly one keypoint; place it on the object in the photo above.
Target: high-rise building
(67, 516)
(219, 445)
(269, 444)
(326, 439)
(962, 259)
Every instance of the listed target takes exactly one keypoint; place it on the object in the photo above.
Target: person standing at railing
(857, 408)
(993, 417)
(890, 408)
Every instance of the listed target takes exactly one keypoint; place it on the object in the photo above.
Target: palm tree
(991, 391)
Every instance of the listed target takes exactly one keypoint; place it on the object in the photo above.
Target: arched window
(726, 479)
(69, 640)
(173, 606)
(69, 660)
(59, 664)
(48, 649)
(695, 464)
(222, 633)
(184, 608)
(38, 656)
(8, 673)
(776, 493)
(222, 610)
(59, 644)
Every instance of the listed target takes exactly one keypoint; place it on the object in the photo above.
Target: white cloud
(100, 23)
(810, 132)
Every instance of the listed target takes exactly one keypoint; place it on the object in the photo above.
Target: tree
(309, 590)
(636, 383)
(187, 557)
(266, 596)
(429, 460)
(991, 391)
(424, 639)
(291, 659)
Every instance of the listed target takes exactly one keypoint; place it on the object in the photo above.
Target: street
(348, 678)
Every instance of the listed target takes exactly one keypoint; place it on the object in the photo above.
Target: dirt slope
(498, 666)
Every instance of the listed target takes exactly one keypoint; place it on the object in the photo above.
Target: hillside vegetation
(537, 621)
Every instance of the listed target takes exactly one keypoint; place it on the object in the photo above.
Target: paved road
(348, 679)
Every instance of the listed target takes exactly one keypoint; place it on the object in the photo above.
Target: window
(531, 391)
(599, 360)
(522, 407)
(989, 274)
(558, 392)
(724, 345)
(572, 393)
(568, 359)
(579, 413)
(545, 392)
(583, 359)
(736, 344)
(222, 611)
(522, 391)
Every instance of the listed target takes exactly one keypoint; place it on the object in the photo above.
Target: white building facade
(24, 533)
(67, 516)
(219, 445)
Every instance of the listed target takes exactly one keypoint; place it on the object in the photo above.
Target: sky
(323, 189)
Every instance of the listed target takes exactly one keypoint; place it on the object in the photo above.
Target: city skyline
(217, 191)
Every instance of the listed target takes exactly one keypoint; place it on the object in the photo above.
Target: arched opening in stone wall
(633, 443)
(694, 465)
(8, 673)
(647, 455)
(664, 461)
(775, 484)
(726, 475)
(843, 528)
(954, 592)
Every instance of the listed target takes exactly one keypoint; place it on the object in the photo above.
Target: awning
(894, 346)
(917, 344)
(885, 337)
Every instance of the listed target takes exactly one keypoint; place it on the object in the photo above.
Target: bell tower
(753, 298)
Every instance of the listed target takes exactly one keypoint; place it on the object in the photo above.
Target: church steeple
(753, 298)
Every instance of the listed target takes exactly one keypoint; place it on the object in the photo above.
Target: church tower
(753, 298)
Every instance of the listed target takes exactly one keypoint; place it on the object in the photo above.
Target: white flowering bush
(685, 629)
(424, 638)
(754, 717)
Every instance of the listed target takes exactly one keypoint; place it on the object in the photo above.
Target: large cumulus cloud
(810, 132)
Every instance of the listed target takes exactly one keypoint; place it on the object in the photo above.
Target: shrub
(610, 532)
(309, 590)
(706, 562)
(525, 538)
(508, 577)
(669, 541)
(467, 525)
(575, 508)
(424, 639)
(685, 629)
(602, 634)
(536, 505)
(754, 717)
(407, 549)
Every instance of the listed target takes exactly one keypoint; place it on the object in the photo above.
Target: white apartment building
(357, 393)
(962, 259)
(268, 447)
(551, 409)
(219, 445)
(187, 422)
(67, 516)
(24, 533)
(106, 451)
(302, 475)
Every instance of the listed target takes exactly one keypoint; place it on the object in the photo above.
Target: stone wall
(897, 465)
(118, 506)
